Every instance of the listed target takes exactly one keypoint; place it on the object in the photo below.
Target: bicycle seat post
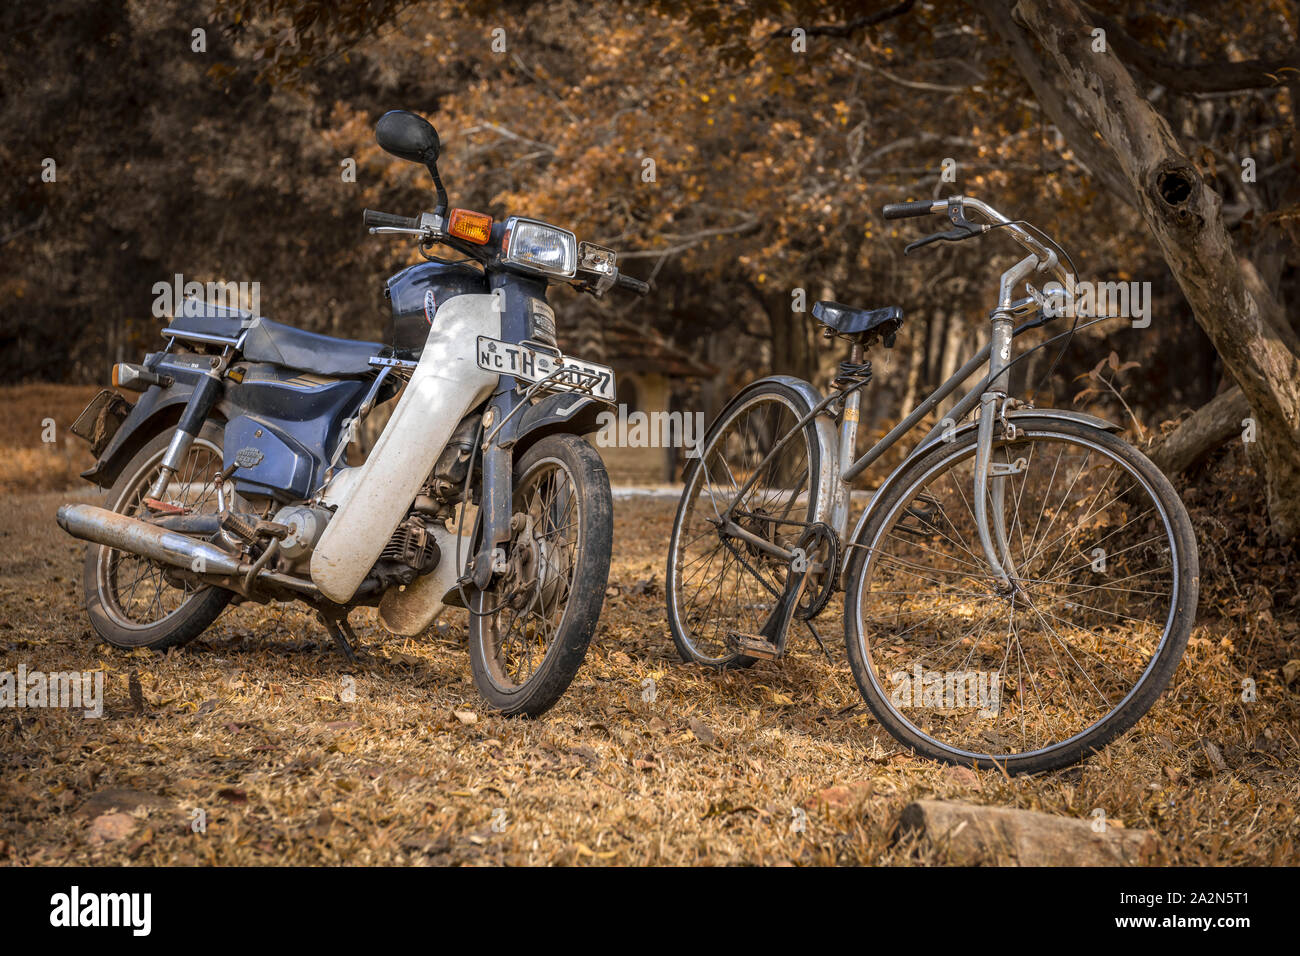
(848, 442)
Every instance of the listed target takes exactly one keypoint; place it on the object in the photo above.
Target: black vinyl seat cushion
(279, 344)
(203, 318)
(850, 321)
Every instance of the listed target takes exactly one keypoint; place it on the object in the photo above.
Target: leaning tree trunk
(1181, 210)
(1209, 427)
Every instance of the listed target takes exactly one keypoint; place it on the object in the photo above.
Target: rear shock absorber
(204, 396)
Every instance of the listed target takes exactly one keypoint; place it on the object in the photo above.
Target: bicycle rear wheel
(717, 584)
(1106, 576)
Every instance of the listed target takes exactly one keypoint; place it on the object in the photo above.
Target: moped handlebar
(375, 219)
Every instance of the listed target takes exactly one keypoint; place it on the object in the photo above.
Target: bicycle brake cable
(1069, 337)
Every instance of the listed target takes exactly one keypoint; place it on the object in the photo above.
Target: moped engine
(410, 552)
(305, 524)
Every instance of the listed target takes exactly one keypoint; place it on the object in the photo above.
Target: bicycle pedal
(752, 645)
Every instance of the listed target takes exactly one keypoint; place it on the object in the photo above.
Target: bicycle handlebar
(909, 210)
(1047, 259)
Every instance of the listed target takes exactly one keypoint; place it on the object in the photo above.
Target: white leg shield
(446, 384)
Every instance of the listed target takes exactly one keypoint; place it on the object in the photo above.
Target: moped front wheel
(529, 630)
(1041, 672)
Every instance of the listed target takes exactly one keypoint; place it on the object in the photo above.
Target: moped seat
(847, 320)
(280, 344)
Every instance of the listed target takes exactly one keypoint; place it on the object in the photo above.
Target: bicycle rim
(982, 676)
(719, 584)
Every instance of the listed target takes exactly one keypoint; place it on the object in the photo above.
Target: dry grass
(248, 723)
(27, 461)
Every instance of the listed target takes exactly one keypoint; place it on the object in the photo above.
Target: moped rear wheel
(530, 629)
(133, 601)
(1040, 675)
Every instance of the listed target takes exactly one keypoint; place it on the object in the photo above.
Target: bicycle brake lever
(952, 235)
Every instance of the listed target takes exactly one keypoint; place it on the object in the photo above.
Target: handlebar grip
(632, 285)
(372, 217)
(907, 210)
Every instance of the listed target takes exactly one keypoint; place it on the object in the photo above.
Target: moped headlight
(540, 247)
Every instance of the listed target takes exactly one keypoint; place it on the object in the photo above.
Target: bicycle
(1018, 592)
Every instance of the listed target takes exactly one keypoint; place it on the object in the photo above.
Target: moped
(228, 479)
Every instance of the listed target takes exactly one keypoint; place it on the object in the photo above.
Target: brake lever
(964, 231)
(422, 231)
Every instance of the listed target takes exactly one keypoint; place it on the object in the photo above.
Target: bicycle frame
(990, 394)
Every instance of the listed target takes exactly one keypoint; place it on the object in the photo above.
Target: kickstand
(341, 631)
(812, 630)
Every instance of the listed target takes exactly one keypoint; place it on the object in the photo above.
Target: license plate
(533, 365)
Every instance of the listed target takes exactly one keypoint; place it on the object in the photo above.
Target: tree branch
(1208, 427)
(1221, 77)
(1090, 151)
(852, 26)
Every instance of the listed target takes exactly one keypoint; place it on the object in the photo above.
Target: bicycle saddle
(847, 320)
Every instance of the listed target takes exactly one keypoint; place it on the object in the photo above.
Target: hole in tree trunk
(1175, 186)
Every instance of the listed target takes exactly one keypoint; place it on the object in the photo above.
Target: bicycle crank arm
(769, 643)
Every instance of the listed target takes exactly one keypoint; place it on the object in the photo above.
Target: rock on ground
(966, 834)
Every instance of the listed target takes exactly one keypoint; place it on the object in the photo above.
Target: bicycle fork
(991, 476)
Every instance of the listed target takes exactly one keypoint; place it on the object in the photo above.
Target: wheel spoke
(722, 586)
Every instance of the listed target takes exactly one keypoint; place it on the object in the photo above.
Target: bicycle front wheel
(1105, 580)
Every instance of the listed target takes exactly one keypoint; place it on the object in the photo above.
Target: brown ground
(248, 724)
(28, 460)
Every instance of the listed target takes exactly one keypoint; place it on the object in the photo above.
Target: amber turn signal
(473, 227)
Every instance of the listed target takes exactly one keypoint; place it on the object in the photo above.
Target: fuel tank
(445, 385)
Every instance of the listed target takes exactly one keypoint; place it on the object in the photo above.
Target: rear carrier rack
(568, 379)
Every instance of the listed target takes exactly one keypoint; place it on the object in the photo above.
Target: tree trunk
(1183, 213)
(793, 352)
(1209, 427)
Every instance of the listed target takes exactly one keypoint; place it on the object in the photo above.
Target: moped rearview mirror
(412, 137)
(408, 136)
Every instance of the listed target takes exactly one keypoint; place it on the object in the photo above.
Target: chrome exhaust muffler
(124, 533)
